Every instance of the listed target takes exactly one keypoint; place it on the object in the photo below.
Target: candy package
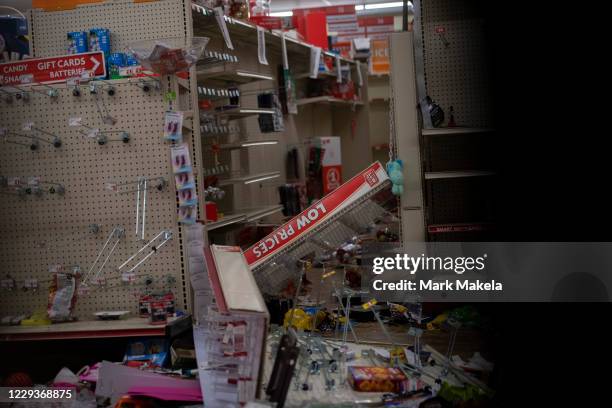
(62, 297)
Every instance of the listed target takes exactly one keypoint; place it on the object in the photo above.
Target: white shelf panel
(82, 329)
(245, 215)
(248, 143)
(455, 131)
(232, 75)
(437, 175)
(324, 74)
(327, 100)
(257, 213)
(239, 113)
(251, 178)
(228, 219)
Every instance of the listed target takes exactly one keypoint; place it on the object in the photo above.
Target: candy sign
(53, 69)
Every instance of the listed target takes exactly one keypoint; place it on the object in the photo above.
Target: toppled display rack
(318, 229)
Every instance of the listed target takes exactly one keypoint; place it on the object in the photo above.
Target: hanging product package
(62, 297)
(168, 55)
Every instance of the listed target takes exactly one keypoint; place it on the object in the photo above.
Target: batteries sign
(53, 69)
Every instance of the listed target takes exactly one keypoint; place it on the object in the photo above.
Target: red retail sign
(360, 185)
(53, 69)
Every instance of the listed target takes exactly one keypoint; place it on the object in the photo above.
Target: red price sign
(53, 69)
(357, 187)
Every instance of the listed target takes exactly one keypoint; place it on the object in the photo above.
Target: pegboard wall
(455, 54)
(38, 232)
(460, 200)
(128, 22)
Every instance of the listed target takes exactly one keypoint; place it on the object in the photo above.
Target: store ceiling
(286, 5)
(276, 5)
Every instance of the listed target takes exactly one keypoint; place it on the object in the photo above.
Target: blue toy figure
(394, 169)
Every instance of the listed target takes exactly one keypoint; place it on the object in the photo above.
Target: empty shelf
(328, 100)
(436, 175)
(238, 113)
(455, 131)
(252, 178)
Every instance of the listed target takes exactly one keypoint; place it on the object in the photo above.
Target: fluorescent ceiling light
(379, 6)
(282, 14)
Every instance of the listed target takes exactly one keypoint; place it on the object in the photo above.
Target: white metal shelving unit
(260, 156)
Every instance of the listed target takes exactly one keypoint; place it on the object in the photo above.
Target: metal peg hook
(106, 118)
(56, 141)
(117, 233)
(164, 236)
(22, 95)
(147, 84)
(51, 92)
(8, 96)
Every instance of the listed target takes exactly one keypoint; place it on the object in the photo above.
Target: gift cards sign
(53, 69)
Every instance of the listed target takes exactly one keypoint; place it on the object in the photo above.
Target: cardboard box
(331, 163)
(381, 379)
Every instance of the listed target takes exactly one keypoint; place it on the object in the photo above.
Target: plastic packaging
(77, 42)
(62, 297)
(168, 55)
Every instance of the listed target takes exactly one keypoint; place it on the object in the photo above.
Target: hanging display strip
(100, 185)
(319, 215)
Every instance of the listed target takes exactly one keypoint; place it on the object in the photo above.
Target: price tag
(30, 283)
(359, 77)
(228, 333)
(7, 283)
(14, 182)
(220, 17)
(315, 60)
(27, 126)
(284, 51)
(93, 133)
(170, 96)
(74, 121)
(261, 45)
(111, 186)
(34, 181)
(56, 268)
(72, 82)
(100, 281)
(128, 277)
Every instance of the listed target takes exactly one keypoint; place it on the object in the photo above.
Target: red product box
(381, 379)
(210, 208)
(271, 23)
(157, 312)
